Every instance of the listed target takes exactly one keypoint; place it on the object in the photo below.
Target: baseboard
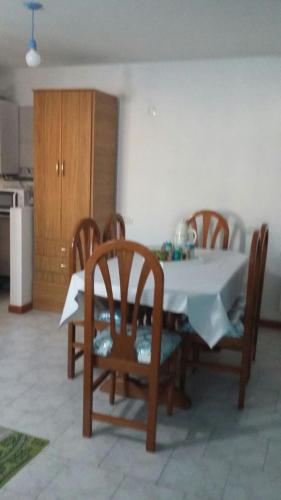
(270, 323)
(20, 309)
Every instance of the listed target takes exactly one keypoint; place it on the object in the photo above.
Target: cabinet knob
(63, 249)
(63, 266)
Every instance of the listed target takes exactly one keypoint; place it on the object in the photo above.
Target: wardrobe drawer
(51, 264)
(52, 248)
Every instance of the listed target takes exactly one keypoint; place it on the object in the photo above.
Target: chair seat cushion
(169, 342)
(184, 325)
(235, 316)
(104, 315)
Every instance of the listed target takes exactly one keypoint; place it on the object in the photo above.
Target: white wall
(215, 142)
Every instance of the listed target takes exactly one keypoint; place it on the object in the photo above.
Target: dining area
(205, 446)
(151, 319)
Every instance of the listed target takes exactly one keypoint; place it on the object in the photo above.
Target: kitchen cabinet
(75, 146)
(9, 138)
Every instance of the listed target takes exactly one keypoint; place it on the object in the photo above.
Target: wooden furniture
(118, 350)
(114, 228)
(264, 245)
(242, 343)
(75, 137)
(86, 237)
(210, 227)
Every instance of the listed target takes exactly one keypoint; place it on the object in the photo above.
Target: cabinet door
(76, 158)
(47, 154)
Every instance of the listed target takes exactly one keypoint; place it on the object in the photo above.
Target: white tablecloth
(204, 289)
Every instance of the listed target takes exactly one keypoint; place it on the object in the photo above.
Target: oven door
(8, 199)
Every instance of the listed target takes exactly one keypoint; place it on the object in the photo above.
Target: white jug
(191, 236)
(181, 234)
(184, 234)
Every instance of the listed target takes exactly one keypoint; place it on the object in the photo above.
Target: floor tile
(140, 490)
(200, 478)
(72, 445)
(35, 476)
(257, 485)
(238, 446)
(80, 481)
(272, 464)
(130, 457)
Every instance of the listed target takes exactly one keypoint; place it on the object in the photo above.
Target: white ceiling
(73, 32)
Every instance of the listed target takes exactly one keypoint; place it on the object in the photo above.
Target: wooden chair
(114, 228)
(243, 341)
(264, 245)
(130, 349)
(210, 226)
(85, 238)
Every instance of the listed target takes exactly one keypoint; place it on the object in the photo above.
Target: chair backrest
(114, 228)
(211, 227)
(85, 238)
(133, 261)
(264, 245)
(252, 292)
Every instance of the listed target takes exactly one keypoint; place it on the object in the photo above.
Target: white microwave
(14, 197)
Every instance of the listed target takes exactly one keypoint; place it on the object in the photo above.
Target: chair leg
(170, 395)
(71, 351)
(249, 365)
(242, 391)
(87, 396)
(244, 375)
(152, 414)
(126, 384)
(112, 388)
(255, 345)
(195, 356)
(183, 362)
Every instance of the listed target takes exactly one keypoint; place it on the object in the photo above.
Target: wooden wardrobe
(75, 147)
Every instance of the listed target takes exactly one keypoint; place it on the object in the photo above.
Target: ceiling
(74, 32)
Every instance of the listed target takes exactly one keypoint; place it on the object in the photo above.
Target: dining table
(203, 288)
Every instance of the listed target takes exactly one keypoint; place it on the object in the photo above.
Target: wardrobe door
(76, 158)
(47, 154)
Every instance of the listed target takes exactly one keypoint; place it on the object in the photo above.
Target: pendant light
(32, 57)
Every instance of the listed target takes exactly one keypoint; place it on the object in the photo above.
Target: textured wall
(191, 135)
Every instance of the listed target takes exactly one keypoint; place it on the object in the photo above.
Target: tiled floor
(211, 452)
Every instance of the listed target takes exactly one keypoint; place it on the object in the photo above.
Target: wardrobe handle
(57, 168)
(62, 168)
(63, 266)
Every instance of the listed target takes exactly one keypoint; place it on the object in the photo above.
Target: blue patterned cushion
(184, 326)
(101, 313)
(235, 316)
(105, 316)
(169, 342)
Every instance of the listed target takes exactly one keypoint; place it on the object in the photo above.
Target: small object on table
(189, 250)
(161, 255)
(167, 246)
(177, 253)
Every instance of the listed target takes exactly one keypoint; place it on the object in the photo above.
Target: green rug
(16, 449)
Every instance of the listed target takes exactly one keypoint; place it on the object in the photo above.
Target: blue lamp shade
(32, 57)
